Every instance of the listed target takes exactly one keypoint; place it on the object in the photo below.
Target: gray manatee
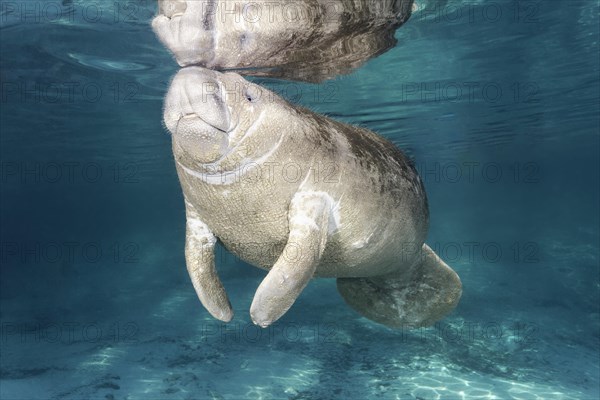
(302, 196)
(308, 40)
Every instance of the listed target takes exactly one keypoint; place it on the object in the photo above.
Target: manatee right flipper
(308, 225)
(413, 298)
(200, 261)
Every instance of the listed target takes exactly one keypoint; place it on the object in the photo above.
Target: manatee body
(302, 196)
(307, 40)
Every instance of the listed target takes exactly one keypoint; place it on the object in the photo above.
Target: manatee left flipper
(200, 261)
(308, 224)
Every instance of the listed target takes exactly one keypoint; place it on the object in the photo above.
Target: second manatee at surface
(308, 40)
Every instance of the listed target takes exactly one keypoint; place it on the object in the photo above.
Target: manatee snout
(171, 8)
(187, 29)
(209, 102)
(197, 114)
(203, 142)
(196, 91)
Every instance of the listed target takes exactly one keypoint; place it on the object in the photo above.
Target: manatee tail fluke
(412, 298)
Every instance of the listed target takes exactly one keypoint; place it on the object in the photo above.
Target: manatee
(301, 196)
(309, 40)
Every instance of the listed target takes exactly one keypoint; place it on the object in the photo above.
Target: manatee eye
(252, 94)
(245, 41)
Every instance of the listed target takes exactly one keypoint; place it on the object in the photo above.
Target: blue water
(497, 102)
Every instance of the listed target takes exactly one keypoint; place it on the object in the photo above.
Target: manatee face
(210, 114)
(222, 34)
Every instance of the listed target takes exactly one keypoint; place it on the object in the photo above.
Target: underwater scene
(174, 174)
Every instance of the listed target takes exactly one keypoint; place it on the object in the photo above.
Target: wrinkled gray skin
(300, 195)
(307, 40)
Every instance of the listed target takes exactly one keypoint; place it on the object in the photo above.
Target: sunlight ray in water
(103, 359)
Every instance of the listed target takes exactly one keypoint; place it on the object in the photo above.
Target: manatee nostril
(172, 8)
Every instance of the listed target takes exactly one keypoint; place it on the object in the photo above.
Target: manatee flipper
(416, 297)
(308, 225)
(200, 260)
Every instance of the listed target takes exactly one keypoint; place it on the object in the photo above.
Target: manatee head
(224, 34)
(221, 118)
